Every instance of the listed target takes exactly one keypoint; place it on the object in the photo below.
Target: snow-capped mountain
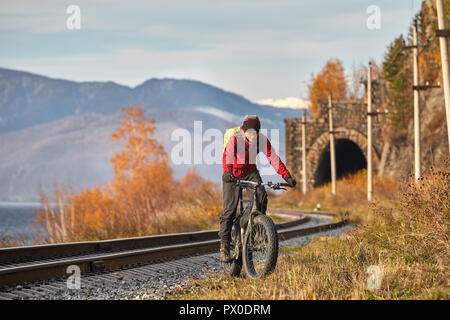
(289, 102)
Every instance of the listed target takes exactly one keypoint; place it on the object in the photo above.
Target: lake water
(17, 217)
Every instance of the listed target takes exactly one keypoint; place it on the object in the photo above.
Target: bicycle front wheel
(260, 250)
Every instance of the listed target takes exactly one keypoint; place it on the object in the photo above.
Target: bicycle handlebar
(272, 185)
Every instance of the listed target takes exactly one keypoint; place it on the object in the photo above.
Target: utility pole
(417, 88)
(417, 144)
(332, 147)
(369, 133)
(443, 33)
(370, 114)
(304, 152)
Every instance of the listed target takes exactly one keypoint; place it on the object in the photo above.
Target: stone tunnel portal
(349, 159)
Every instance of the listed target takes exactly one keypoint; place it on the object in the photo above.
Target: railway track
(23, 265)
(299, 212)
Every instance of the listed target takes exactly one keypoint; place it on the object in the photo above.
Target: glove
(291, 181)
(228, 177)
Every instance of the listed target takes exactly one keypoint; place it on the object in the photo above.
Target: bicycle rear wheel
(234, 267)
(260, 252)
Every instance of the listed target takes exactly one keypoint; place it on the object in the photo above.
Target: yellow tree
(142, 182)
(330, 80)
(140, 147)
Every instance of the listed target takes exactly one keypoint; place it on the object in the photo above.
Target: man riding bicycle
(239, 162)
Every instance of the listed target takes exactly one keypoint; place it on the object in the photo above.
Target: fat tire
(272, 248)
(234, 267)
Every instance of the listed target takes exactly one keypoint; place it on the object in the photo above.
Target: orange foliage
(193, 185)
(330, 80)
(140, 147)
(430, 67)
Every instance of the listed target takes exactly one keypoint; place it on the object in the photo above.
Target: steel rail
(296, 212)
(47, 251)
(102, 261)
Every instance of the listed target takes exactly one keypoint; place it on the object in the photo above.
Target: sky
(257, 48)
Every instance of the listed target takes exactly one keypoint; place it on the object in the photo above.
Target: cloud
(268, 49)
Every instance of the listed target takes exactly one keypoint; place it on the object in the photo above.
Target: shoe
(225, 252)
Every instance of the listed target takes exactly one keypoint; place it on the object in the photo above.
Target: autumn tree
(330, 80)
(140, 148)
(142, 176)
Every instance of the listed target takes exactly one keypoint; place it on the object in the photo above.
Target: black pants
(231, 202)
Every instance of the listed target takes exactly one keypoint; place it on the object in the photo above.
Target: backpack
(229, 133)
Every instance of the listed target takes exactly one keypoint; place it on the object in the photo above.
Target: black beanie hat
(251, 122)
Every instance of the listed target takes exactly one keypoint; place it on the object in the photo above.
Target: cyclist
(239, 162)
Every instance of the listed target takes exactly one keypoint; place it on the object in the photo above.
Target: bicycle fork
(249, 226)
(245, 232)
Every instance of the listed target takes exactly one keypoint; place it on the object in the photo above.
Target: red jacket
(239, 155)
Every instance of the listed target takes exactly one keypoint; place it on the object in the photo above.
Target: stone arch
(349, 143)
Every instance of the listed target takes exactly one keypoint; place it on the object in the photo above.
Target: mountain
(58, 131)
(28, 99)
(289, 102)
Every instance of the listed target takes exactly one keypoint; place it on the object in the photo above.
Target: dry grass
(406, 240)
(16, 239)
(19, 239)
(351, 197)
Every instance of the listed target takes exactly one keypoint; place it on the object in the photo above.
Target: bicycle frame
(247, 227)
(254, 185)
